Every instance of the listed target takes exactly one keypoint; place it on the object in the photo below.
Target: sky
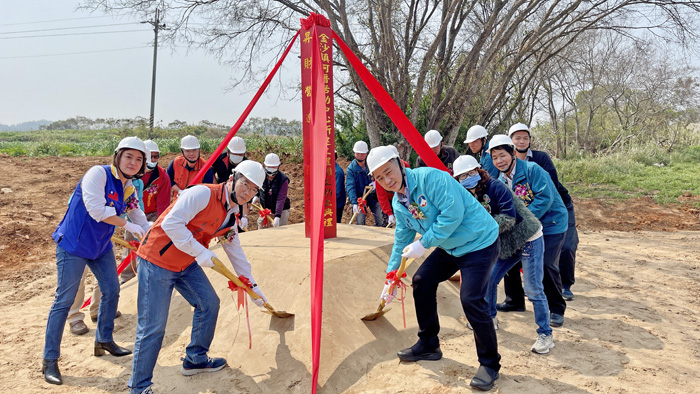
(114, 83)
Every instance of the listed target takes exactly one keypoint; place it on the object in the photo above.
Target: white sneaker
(495, 324)
(543, 344)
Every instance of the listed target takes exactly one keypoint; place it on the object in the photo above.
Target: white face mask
(235, 159)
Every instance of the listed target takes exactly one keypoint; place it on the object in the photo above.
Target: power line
(55, 20)
(73, 53)
(68, 28)
(75, 34)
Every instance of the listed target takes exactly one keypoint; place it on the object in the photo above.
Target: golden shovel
(123, 243)
(368, 190)
(381, 311)
(270, 219)
(221, 268)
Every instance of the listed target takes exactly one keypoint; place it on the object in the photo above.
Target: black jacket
(270, 190)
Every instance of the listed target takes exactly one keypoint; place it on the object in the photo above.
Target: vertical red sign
(325, 42)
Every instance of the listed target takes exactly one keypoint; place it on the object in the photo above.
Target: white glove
(134, 229)
(372, 184)
(355, 209)
(392, 219)
(147, 227)
(276, 223)
(414, 250)
(204, 258)
(262, 300)
(256, 200)
(386, 297)
(244, 223)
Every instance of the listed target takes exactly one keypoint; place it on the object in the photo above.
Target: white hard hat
(500, 140)
(149, 163)
(518, 127)
(236, 145)
(433, 138)
(151, 146)
(189, 142)
(272, 160)
(394, 149)
(252, 170)
(463, 164)
(131, 143)
(360, 147)
(379, 156)
(475, 132)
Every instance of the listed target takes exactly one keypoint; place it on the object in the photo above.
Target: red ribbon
(242, 301)
(197, 178)
(361, 204)
(387, 103)
(263, 214)
(392, 279)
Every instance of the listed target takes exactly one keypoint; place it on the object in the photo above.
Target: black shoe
(94, 318)
(506, 307)
(484, 379)
(112, 348)
(556, 320)
(419, 352)
(50, 370)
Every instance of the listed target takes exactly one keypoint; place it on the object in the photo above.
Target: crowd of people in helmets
(496, 213)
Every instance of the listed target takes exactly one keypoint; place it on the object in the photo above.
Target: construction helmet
(379, 156)
(149, 163)
(500, 140)
(189, 142)
(236, 146)
(394, 149)
(360, 147)
(464, 164)
(475, 132)
(272, 160)
(518, 127)
(433, 138)
(151, 146)
(132, 143)
(252, 170)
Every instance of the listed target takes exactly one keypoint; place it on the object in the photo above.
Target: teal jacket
(454, 220)
(535, 187)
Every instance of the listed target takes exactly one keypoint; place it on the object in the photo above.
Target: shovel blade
(279, 314)
(375, 315)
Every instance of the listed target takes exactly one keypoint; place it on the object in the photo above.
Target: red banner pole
(242, 118)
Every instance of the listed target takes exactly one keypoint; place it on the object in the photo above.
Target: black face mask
(510, 166)
(188, 160)
(523, 150)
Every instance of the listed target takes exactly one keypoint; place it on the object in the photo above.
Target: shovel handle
(221, 268)
(401, 270)
(122, 243)
(270, 219)
(368, 190)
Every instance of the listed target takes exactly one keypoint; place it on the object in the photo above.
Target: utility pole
(156, 26)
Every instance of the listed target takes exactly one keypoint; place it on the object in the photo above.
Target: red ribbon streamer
(392, 279)
(242, 118)
(242, 301)
(361, 204)
(395, 114)
(263, 214)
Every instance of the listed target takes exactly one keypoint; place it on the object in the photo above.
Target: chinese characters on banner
(325, 42)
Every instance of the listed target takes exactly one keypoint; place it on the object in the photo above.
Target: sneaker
(211, 365)
(567, 294)
(148, 390)
(495, 324)
(78, 328)
(556, 320)
(543, 344)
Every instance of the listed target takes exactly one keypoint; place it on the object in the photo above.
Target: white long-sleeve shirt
(190, 203)
(93, 185)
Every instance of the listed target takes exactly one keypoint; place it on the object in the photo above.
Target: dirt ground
(631, 329)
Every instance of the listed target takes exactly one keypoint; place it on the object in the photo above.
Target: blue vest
(80, 234)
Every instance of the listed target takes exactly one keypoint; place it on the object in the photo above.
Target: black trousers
(475, 268)
(567, 261)
(552, 277)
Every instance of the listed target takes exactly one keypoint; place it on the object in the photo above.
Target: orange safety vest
(158, 248)
(182, 173)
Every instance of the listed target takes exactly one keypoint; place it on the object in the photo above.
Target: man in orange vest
(179, 238)
(185, 167)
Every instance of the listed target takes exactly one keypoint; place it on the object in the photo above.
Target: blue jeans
(376, 209)
(155, 290)
(69, 271)
(532, 257)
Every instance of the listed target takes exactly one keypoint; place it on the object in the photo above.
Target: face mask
(151, 166)
(235, 159)
(471, 182)
(271, 171)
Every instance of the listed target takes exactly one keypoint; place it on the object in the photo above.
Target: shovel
(221, 268)
(368, 190)
(270, 219)
(381, 311)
